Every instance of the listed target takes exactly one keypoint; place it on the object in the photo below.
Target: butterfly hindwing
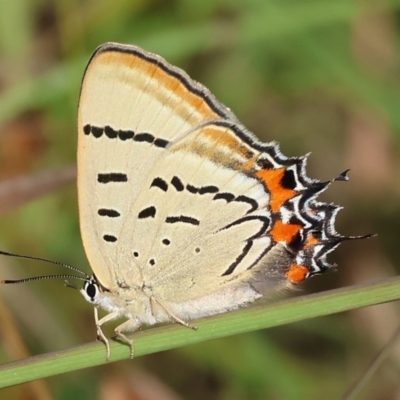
(198, 223)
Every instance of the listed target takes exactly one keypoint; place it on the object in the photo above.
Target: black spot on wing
(208, 189)
(87, 129)
(112, 177)
(288, 180)
(144, 137)
(201, 190)
(228, 197)
(183, 219)
(192, 189)
(108, 212)
(96, 131)
(110, 238)
(149, 212)
(160, 183)
(110, 132)
(161, 143)
(177, 184)
(125, 135)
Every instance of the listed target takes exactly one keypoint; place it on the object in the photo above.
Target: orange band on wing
(297, 273)
(152, 71)
(272, 180)
(284, 232)
(223, 136)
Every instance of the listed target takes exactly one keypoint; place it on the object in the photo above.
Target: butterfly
(184, 213)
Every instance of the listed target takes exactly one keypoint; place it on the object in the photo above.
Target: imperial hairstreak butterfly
(183, 212)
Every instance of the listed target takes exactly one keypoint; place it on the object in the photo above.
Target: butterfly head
(95, 293)
(91, 290)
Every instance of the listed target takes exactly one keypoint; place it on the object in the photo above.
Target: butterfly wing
(176, 197)
(132, 105)
(203, 224)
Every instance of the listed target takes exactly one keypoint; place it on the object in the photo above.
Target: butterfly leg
(100, 335)
(130, 325)
(171, 314)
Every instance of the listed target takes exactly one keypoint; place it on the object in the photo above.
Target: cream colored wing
(201, 220)
(220, 219)
(132, 106)
(180, 201)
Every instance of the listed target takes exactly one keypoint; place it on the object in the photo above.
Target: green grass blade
(172, 336)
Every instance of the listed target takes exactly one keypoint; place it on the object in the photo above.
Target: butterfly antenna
(5, 253)
(39, 278)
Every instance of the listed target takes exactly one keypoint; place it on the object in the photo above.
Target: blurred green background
(317, 76)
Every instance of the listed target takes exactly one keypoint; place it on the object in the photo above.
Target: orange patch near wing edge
(284, 232)
(297, 273)
(272, 179)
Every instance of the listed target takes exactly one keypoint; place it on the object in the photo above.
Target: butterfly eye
(90, 289)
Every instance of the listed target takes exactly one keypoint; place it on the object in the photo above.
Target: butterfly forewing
(132, 107)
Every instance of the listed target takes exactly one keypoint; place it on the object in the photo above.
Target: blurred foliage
(317, 76)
